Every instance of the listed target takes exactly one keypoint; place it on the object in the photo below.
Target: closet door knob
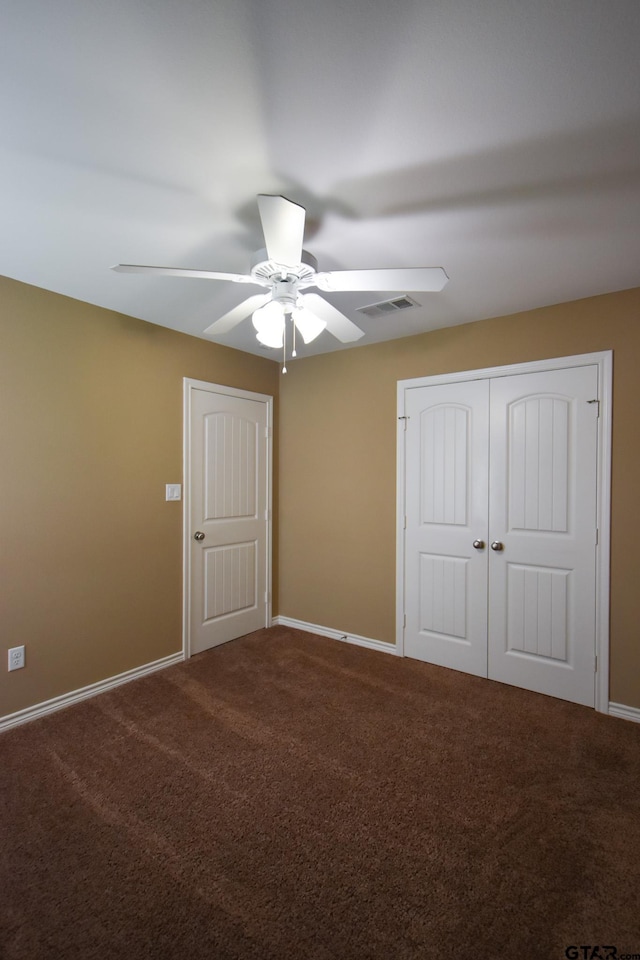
(199, 535)
(479, 544)
(496, 545)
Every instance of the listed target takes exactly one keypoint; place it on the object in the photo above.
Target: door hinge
(405, 522)
(404, 620)
(404, 422)
(597, 536)
(596, 666)
(597, 402)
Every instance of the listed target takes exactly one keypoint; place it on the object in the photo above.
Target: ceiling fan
(286, 271)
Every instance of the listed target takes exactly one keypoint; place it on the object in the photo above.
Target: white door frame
(604, 362)
(189, 386)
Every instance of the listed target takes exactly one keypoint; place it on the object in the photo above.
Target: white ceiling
(499, 139)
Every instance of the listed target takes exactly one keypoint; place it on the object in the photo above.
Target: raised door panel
(444, 468)
(443, 596)
(537, 611)
(230, 575)
(230, 481)
(538, 475)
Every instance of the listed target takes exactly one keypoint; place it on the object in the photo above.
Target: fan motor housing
(264, 269)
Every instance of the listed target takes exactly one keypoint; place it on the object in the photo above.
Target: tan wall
(338, 463)
(90, 432)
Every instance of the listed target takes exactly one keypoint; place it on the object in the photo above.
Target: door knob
(198, 535)
(496, 545)
(479, 544)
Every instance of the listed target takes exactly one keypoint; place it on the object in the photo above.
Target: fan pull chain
(293, 325)
(284, 349)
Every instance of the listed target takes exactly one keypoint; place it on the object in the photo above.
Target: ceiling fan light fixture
(269, 324)
(309, 325)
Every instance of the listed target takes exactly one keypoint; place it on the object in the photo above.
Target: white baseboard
(336, 634)
(75, 696)
(626, 713)
(615, 709)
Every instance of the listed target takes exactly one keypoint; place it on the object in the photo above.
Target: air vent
(388, 306)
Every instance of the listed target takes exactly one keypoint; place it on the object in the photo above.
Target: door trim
(188, 386)
(604, 361)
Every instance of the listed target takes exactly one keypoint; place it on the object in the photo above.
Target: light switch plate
(174, 491)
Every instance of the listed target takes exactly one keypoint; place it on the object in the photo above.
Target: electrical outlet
(16, 658)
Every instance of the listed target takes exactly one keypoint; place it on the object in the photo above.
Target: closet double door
(500, 540)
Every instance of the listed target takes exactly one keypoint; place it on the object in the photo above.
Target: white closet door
(446, 479)
(542, 509)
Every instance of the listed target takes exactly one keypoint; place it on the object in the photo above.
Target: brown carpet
(287, 797)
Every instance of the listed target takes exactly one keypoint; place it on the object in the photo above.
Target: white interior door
(542, 508)
(227, 516)
(447, 451)
(499, 562)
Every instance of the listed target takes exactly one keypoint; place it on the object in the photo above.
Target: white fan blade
(184, 272)
(427, 279)
(231, 319)
(283, 228)
(337, 324)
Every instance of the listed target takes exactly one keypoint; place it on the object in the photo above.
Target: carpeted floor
(289, 797)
